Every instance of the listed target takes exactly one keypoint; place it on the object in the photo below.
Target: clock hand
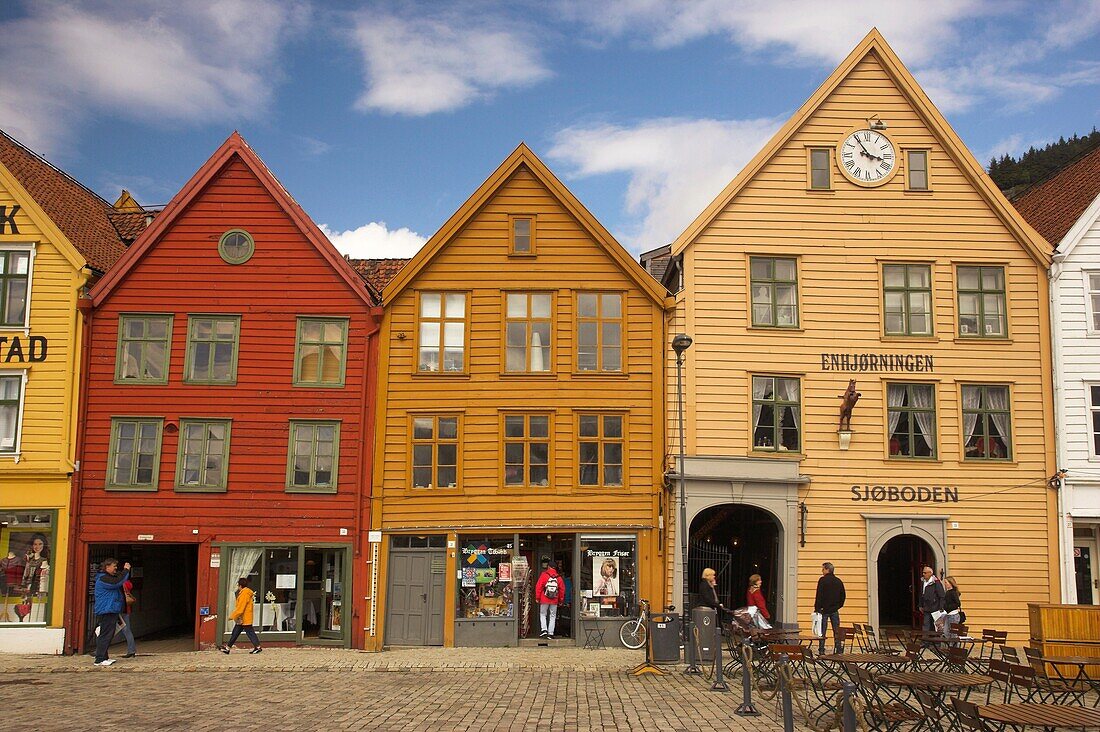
(867, 152)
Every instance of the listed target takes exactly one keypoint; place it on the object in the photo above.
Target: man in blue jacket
(109, 603)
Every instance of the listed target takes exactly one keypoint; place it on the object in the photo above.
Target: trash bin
(664, 635)
(703, 619)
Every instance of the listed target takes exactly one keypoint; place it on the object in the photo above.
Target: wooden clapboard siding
(183, 274)
(40, 478)
(1001, 550)
(573, 256)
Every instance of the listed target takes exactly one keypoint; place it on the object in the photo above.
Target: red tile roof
(378, 272)
(1053, 206)
(83, 217)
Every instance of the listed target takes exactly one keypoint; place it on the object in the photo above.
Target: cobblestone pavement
(425, 689)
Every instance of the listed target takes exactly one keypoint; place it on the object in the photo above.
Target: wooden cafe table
(1082, 675)
(878, 661)
(936, 683)
(1047, 716)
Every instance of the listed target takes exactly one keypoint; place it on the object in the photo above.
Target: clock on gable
(867, 158)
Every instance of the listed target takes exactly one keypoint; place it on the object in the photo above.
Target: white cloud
(801, 30)
(961, 58)
(676, 166)
(193, 62)
(375, 241)
(420, 66)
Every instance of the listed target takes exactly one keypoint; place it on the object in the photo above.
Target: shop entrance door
(414, 607)
(1084, 570)
(323, 594)
(558, 548)
(899, 581)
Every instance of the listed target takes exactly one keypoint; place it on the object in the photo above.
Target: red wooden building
(228, 398)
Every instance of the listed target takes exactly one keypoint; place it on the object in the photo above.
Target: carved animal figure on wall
(850, 397)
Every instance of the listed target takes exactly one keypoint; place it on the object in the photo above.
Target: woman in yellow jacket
(242, 616)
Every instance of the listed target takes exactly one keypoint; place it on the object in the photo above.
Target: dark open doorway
(899, 576)
(164, 582)
(736, 541)
(557, 548)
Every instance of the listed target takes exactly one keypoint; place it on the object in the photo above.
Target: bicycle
(632, 633)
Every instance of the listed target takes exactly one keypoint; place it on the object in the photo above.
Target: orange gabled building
(519, 417)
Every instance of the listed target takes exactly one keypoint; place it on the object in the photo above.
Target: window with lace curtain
(911, 416)
(776, 414)
(527, 332)
(986, 423)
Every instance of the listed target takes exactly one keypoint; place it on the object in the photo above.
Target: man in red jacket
(548, 591)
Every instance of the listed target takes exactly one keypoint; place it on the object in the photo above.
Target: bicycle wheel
(632, 634)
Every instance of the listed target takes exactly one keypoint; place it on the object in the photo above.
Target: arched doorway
(899, 575)
(736, 540)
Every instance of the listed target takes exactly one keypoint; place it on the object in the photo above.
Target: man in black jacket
(931, 598)
(828, 601)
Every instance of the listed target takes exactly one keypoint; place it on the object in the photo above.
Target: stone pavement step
(569, 659)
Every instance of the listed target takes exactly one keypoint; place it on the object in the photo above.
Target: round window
(236, 246)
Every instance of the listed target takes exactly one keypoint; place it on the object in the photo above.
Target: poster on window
(26, 561)
(605, 576)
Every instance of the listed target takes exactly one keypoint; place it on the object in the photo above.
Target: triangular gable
(1077, 232)
(126, 202)
(874, 43)
(523, 156)
(233, 146)
(46, 225)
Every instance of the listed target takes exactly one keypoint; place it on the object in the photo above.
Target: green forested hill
(1014, 176)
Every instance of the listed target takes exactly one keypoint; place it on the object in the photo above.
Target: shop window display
(26, 543)
(485, 588)
(273, 572)
(608, 575)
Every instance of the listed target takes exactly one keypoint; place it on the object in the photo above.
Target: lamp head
(874, 123)
(681, 343)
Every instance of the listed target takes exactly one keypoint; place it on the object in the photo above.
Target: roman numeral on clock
(850, 164)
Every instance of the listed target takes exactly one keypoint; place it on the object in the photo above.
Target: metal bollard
(689, 646)
(785, 690)
(848, 712)
(746, 709)
(719, 682)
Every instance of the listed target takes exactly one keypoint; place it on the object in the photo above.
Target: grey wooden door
(414, 610)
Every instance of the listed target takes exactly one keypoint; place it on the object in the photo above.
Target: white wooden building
(1066, 210)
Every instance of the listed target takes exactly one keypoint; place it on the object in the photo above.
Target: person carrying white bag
(827, 602)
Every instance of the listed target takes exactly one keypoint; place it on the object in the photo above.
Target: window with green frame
(907, 299)
(982, 310)
(212, 343)
(313, 462)
(133, 461)
(144, 348)
(911, 417)
(15, 275)
(320, 356)
(776, 413)
(203, 460)
(987, 426)
(774, 285)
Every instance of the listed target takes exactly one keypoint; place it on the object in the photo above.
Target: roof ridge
(42, 159)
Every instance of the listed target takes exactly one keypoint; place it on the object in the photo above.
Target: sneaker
(257, 649)
(105, 662)
(224, 649)
(543, 634)
(130, 655)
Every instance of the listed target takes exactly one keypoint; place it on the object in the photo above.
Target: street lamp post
(680, 344)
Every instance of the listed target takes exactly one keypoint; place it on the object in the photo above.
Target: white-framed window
(12, 389)
(1092, 299)
(1094, 418)
(16, 268)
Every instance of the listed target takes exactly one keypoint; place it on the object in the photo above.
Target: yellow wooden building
(55, 235)
(519, 419)
(864, 242)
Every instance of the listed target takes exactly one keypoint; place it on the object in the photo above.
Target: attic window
(522, 232)
(236, 246)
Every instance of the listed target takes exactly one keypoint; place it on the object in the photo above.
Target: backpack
(550, 589)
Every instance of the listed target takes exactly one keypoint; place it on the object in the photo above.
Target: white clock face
(867, 157)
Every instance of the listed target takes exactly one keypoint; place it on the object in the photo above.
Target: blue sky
(381, 118)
